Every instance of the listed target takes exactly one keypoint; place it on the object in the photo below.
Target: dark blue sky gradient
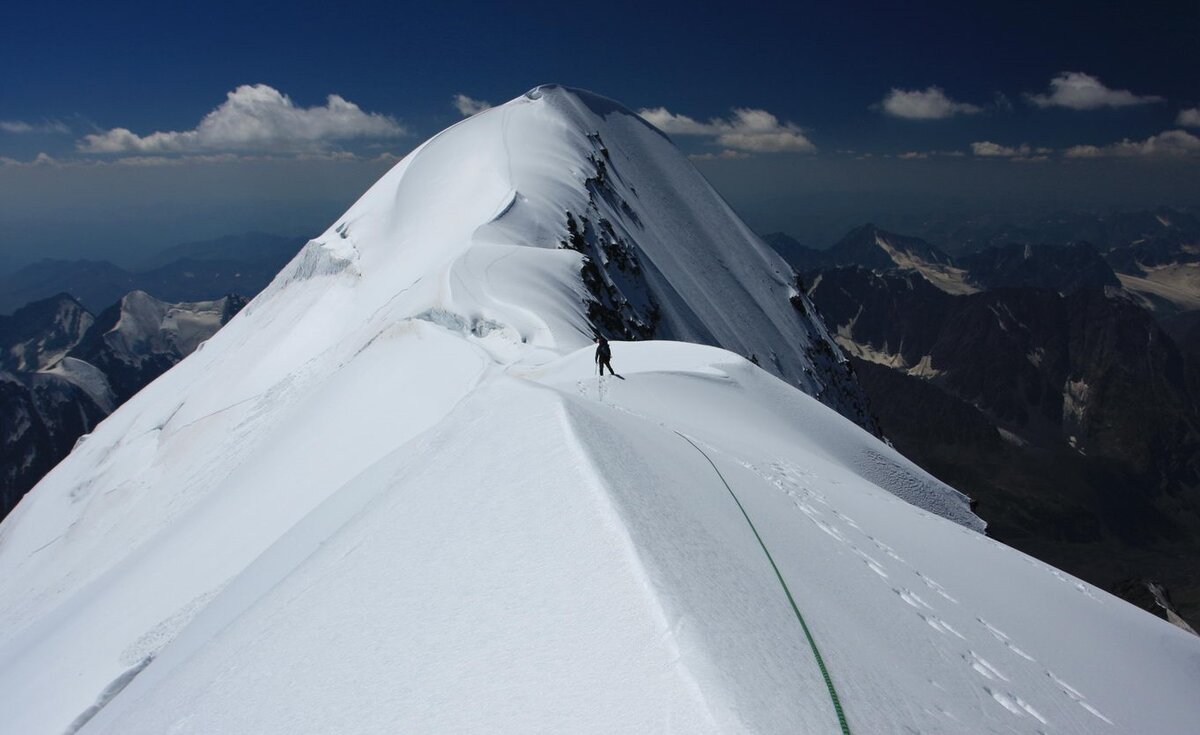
(158, 66)
(163, 66)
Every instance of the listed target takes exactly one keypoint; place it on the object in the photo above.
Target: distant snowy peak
(140, 326)
(878, 250)
(139, 337)
(872, 247)
(64, 370)
(562, 214)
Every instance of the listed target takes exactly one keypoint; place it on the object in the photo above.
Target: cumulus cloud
(42, 160)
(1078, 91)
(673, 124)
(988, 149)
(919, 155)
(749, 130)
(1020, 153)
(20, 127)
(726, 154)
(924, 104)
(1189, 117)
(255, 118)
(45, 160)
(1169, 143)
(468, 106)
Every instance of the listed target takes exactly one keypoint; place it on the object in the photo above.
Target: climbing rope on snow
(837, 704)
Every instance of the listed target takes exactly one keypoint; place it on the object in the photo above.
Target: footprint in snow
(829, 529)
(983, 668)
(947, 714)
(1080, 586)
(1015, 704)
(931, 584)
(875, 568)
(1074, 695)
(1000, 636)
(847, 520)
(941, 626)
(912, 598)
(885, 549)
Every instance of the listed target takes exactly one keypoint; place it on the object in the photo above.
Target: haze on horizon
(126, 130)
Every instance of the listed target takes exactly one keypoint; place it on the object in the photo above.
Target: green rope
(837, 704)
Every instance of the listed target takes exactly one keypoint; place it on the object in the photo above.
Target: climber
(603, 355)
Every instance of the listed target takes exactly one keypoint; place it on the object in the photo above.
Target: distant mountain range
(84, 336)
(1055, 383)
(1048, 381)
(62, 370)
(959, 234)
(242, 264)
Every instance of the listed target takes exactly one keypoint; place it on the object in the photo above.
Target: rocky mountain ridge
(1052, 375)
(62, 370)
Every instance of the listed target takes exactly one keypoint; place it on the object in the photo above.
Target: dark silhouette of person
(603, 355)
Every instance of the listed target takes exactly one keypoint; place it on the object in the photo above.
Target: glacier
(391, 495)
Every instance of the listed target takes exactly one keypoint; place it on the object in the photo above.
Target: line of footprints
(792, 481)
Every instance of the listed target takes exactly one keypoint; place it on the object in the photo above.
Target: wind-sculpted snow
(394, 497)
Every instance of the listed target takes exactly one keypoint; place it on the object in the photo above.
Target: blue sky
(858, 107)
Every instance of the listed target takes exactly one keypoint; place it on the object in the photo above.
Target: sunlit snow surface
(392, 496)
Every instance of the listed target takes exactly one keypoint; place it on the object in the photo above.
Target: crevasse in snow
(392, 496)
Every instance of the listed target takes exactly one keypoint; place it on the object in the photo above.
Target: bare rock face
(1052, 397)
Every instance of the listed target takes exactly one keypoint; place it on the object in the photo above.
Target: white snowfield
(391, 496)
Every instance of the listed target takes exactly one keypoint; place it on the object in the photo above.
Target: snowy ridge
(394, 497)
(146, 325)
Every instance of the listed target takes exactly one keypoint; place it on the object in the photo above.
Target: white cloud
(1020, 153)
(255, 118)
(918, 155)
(155, 161)
(42, 160)
(1189, 118)
(724, 155)
(1078, 91)
(988, 149)
(748, 130)
(19, 127)
(468, 106)
(927, 104)
(1169, 143)
(673, 124)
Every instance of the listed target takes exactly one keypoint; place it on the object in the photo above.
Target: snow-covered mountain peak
(145, 325)
(618, 230)
(391, 495)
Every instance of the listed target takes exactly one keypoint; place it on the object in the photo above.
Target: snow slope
(391, 496)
